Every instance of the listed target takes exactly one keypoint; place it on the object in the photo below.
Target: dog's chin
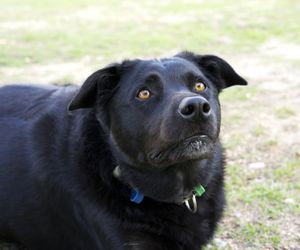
(197, 147)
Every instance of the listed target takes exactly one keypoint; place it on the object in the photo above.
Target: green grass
(234, 141)
(238, 94)
(258, 131)
(69, 30)
(283, 113)
(266, 198)
(260, 231)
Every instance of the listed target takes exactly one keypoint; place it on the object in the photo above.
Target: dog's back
(23, 110)
(25, 102)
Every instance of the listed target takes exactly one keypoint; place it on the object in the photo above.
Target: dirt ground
(261, 131)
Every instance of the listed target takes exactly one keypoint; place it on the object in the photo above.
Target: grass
(285, 112)
(33, 32)
(238, 94)
(263, 203)
(258, 131)
(258, 205)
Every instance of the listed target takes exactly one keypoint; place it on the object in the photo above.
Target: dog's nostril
(188, 110)
(205, 108)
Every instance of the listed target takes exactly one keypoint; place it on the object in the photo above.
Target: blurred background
(61, 41)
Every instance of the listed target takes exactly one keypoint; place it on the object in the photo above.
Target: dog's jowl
(131, 160)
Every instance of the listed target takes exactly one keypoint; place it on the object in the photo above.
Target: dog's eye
(200, 87)
(144, 94)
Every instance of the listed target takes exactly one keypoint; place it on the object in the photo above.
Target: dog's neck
(137, 196)
(177, 184)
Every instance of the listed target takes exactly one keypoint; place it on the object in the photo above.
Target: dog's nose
(194, 108)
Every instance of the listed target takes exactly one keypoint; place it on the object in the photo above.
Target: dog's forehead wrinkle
(178, 68)
(167, 69)
(147, 68)
(180, 62)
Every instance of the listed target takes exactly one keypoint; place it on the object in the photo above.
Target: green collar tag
(199, 190)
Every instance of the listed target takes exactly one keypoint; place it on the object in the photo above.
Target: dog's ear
(216, 69)
(97, 86)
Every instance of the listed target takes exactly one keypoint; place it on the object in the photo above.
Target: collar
(137, 196)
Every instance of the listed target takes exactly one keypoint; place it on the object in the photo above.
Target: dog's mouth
(192, 148)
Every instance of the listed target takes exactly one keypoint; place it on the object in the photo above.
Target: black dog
(127, 168)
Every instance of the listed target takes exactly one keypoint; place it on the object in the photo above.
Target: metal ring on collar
(192, 208)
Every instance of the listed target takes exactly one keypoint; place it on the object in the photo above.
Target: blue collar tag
(136, 196)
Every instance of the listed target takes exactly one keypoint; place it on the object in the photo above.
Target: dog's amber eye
(143, 94)
(200, 87)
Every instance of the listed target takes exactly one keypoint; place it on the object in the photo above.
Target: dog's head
(159, 113)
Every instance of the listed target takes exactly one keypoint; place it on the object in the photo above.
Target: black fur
(57, 188)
